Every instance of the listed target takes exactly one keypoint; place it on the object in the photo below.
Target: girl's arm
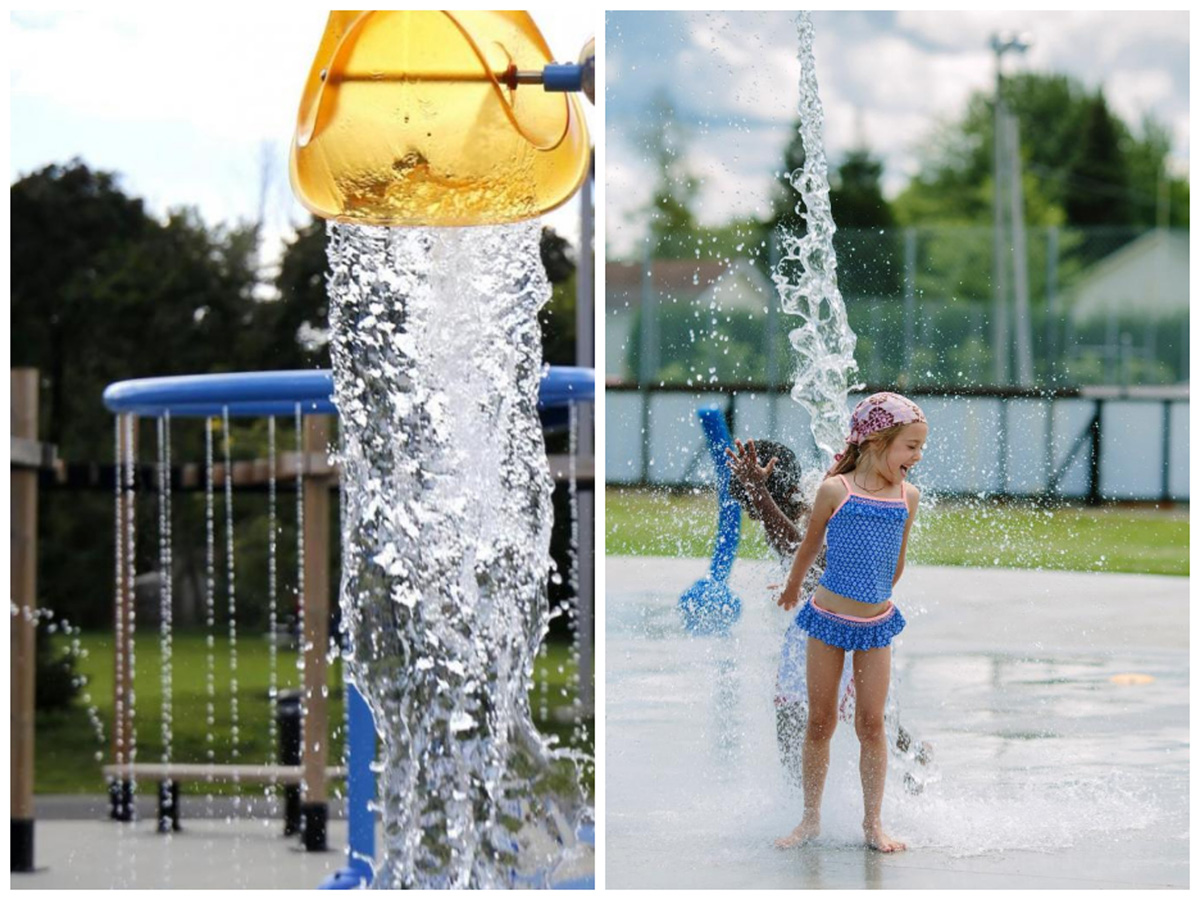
(829, 495)
(914, 495)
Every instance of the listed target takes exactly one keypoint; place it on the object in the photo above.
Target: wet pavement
(77, 847)
(1055, 705)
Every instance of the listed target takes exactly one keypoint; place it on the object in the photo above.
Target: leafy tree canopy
(1081, 164)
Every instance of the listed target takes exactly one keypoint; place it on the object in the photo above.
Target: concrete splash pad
(78, 848)
(1051, 768)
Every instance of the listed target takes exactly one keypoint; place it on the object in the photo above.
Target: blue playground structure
(289, 393)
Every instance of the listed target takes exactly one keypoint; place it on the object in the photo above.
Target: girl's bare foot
(877, 840)
(801, 834)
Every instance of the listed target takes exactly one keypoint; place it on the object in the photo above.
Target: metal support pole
(1000, 336)
(1002, 443)
(123, 744)
(772, 373)
(1021, 324)
(1111, 346)
(1052, 312)
(360, 783)
(1166, 452)
(910, 298)
(647, 357)
(585, 355)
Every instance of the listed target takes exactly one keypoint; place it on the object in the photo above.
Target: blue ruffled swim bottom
(850, 632)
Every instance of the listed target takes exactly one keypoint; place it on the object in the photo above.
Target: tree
(1097, 179)
(1081, 162)
(856, 193)
(558, 315)
(298, 319)
(673, 227)
(868, 249)
(70, 224)
(784, 196)
(102, 291)
(868, 260)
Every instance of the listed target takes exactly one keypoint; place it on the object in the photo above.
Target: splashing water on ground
(437, 361)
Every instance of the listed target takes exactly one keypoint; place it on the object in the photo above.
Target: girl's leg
(872, 670)
(824, 676)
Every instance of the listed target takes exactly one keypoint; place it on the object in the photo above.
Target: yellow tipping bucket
(416, 118)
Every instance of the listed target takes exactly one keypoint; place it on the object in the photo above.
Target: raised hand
(744, 465)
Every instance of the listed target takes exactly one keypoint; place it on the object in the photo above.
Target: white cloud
(891, 78)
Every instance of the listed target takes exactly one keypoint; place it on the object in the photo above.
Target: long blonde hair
(876, 442)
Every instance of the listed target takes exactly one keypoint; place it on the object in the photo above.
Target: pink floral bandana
(879, 411)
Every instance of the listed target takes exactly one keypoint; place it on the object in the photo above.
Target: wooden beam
(23, 630)
(318, 432)
(218, 772)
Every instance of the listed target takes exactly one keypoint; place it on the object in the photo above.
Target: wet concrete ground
(1056, 705)
(77, 847)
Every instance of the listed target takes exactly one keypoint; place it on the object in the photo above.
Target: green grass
(69, 752)
(975, 533)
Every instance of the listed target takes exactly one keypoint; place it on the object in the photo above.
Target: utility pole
(1020, 259)
(1001, 44)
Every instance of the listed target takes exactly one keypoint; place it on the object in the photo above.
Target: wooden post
(23, 585)
(121, 787)
(318, 431)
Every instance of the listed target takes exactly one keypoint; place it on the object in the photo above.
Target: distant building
(738, 285)
(1147, 278)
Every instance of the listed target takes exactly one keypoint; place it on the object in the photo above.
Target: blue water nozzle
(709, 606)
(563, 77)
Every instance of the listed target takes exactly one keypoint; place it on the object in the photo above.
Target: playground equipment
(305, 395)
(27, 456)
(433, 118)
(709, 606)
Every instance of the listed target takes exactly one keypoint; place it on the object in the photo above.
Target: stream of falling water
(825, 368)
(806, 278)
(437, 361)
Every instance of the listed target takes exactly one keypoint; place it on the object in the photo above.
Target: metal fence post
(1053, 366)
(647, 357)
(1093, 498)
(773, 378)
(1166, 452)
(910, 300)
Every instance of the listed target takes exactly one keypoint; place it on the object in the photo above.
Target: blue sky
(191, 106)
(886, 79)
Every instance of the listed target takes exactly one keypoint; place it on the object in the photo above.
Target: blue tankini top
(863, 541)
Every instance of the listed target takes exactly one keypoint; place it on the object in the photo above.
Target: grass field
(72, 745)
(978, 533)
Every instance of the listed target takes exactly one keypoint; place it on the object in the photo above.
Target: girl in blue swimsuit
(863, 512)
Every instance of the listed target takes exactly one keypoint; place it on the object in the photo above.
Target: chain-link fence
(1077, 307)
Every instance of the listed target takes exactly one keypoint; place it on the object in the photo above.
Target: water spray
(412, 125)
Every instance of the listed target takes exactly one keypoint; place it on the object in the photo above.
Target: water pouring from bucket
(413, 125)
